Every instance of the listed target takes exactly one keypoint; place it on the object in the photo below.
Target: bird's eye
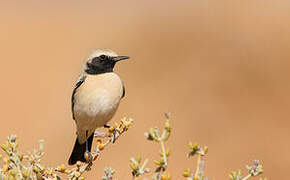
(103, 57)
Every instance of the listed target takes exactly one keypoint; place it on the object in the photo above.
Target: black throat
(91, 69)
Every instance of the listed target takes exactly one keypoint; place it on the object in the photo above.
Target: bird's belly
(95, 109)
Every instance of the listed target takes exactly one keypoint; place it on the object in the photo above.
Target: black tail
(79, 151)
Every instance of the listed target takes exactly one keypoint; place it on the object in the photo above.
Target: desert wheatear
(95, 98)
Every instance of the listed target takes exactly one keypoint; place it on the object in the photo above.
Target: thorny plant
(200, 152)
(18, 166)
(139, 168)
(109, 172)
(161, 138)
(196, 150)
(254, 170)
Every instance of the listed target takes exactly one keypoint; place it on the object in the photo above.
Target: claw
(114, 131)
(88, 157)
(115, 136)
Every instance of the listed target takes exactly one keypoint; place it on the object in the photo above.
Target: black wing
(78, 84)
(123, 95)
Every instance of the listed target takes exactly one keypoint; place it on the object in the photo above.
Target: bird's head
(101, 61)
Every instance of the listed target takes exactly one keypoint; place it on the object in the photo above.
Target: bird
(95, 98)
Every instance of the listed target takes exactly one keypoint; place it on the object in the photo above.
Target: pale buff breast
(97, 100)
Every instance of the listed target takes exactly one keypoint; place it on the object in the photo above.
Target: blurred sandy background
(221, 68)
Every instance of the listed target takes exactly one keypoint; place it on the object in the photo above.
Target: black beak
(119, 58)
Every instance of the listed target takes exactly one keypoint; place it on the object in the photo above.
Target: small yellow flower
(167, 126)
(157, 162)
(138, 159)
(5, 146)
(167, 153)
(36, 169)
(186, 172)
(126, 123)
(45, 171)
(205, 149)
(77, 174)
(111, 129)
(62, 168)
(152, 134)
(133, 166)
(123, 120)
(101, 146)
(39, 176)
(166, 176)
(79, 164)
(26, 173)
(193, 146)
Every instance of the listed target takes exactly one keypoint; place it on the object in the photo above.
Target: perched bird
(95, 98)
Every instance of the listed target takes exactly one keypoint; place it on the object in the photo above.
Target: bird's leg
(87, 147)
(114, 130)
(88, 155)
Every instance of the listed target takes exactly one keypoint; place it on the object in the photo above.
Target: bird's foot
(113, 133)
(88, 157)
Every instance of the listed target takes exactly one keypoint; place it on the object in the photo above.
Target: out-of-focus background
(220, 67)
